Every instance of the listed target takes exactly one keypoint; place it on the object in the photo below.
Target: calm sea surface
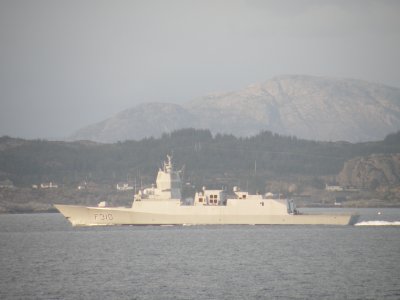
(43, 257)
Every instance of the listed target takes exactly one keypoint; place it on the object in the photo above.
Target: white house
(49, 185)
(124, 187)
(334, 188)
(6, 184)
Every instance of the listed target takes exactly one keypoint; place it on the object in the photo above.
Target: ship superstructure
(168, 185)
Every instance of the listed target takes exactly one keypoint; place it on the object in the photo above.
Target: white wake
(378, 223)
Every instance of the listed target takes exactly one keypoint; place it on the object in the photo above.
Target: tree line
(203, 157)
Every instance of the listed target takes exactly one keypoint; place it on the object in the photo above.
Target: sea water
(43, 257)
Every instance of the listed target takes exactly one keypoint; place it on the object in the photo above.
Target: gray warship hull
(93, 216)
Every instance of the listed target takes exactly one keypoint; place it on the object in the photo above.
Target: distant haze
(67, 64)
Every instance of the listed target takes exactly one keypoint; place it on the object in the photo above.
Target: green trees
(208, 159)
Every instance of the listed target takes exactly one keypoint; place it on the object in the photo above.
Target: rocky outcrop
(372, 171)
(316, 108)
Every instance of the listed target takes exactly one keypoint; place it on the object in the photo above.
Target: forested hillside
(266, 162)
(206, 158)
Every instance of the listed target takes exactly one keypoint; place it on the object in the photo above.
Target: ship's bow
(77, 215)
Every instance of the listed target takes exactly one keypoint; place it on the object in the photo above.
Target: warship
(162, 204)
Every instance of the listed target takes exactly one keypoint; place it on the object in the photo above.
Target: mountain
(317, 108)
(143, 120)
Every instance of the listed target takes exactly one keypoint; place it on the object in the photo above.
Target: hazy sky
(67, 64)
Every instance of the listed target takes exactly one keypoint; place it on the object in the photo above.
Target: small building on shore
(334, 188)
(124, 187)
(49, 185)
(6, 184)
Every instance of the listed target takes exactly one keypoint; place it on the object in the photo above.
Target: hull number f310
(103, 217)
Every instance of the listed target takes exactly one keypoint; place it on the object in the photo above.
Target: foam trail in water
(378, 223)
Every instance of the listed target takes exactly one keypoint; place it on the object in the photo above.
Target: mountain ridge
(310, 107)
